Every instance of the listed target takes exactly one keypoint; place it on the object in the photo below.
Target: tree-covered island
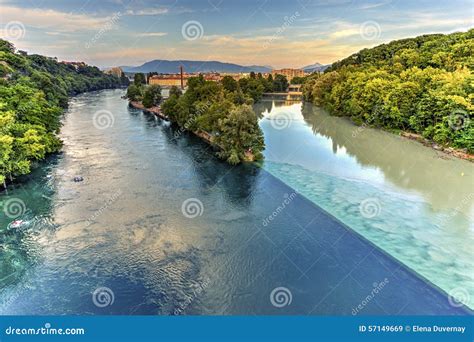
(219, 112)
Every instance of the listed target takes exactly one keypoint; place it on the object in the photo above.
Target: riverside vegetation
(221, 111)
(422, 85)
(34, 91)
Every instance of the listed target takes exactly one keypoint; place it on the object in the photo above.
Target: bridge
(294, 92)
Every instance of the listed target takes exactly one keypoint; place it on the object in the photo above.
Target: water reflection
(421, 200)
(372, 155)
(444, 181)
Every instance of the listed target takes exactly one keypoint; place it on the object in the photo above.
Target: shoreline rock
(448, 150)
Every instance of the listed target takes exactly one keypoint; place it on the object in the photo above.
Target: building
(289, 73)
(114, 71)
(168, 80)
(76, 65)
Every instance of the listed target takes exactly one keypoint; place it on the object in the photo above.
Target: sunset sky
(274, 33)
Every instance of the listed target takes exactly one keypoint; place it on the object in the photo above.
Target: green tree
(229, 83)
(280, 83)
(239, 135)
(134, 92)
(152, 96)
(139, 79)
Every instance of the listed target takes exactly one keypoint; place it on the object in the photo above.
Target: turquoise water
(122, 232)
(413, 202)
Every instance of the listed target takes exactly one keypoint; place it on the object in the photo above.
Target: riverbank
(205, 136)
(447, 150)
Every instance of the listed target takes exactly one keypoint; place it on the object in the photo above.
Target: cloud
(52, 19)
(147, 11)
(152, 34)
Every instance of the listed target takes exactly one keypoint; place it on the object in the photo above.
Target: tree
(174, 90)
(225, 115)
(280, 83)
(134, 92)
(229, 83)
(239, 135)
(152, 96)
(124, 81)
(298, 80)
(139, 79)
(421, 84)
(32, 97)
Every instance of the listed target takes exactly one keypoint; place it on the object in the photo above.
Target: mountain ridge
(193, 66)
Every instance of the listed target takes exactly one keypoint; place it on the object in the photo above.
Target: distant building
(235, 76)
(114, 71)
(289, 73)
(168, 80)
(76, 65)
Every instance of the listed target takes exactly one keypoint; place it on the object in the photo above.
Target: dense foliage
(149, 95)
(221, 110)
(34, 91)
(422, 85)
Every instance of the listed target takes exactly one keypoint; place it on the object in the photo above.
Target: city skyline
(276, 33)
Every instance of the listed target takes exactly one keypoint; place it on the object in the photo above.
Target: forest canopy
(34, 91)
(422, 85)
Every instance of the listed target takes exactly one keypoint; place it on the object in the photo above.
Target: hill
(316, 67)
(168, 67)
(421, 85)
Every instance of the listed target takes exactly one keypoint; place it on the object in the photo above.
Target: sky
(291, 33)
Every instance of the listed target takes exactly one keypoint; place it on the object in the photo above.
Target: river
(336, 220)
